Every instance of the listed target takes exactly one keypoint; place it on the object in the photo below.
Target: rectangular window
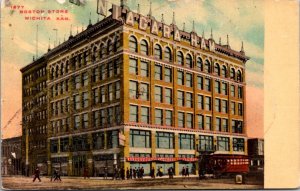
(189, 100)
(158, 72)
(76, 122)
(112, 139)
(186, 141)
(207, 103)
(103, 72)
(158, 116)
(117, 67)
(164, 140)
(237, 126)
(140, 139)
(133, 66)
(117, 92)
(110, 92)
(232, 90)
(96, 120)
(189, 80)
(144, 69)
(205, 143)
(102, 117)
(98, 140)
(238, 144)
(218, 124)
(232, 108)
(54, 146)
(168, 75)
(102, 92)
(133, 113)
(240, 92)
(144, 91)
(225, 125)
(85, 79)
(224, 88)
(95, 96)
(110, 116)
(133, 86)
(85, 120)
(224, 106)
(118, 115)
(110, 69)
(64, 144)
(180, 98)
(158, 94)
(217, 87)
(189, 120)
(240, 109)
(77, 101)
(169, 118)
(200, 121)
(200, 102)
(168, 96)
(207, 84)
(77, 82)
(222, 143)
(85, 99)
(200, 82)
(180, 79)
(208, 123)
(180, 119)
(145, 117)
(217, 105)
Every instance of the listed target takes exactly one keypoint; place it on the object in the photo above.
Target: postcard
(151, 94)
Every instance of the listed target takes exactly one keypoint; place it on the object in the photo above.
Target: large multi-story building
(131, 91)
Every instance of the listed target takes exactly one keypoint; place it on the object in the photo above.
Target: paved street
(68, 183)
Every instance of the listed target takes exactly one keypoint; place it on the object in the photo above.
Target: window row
(166, 140)
(38, 130)
(61, 125)
(107, 117)
(107, 93)
(81, 59)
(60, 107)
(37, 144)
(60, 88)
(187, 60)
(33, 76)
(107, 70)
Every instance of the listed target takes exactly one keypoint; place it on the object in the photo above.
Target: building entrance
(79, 163)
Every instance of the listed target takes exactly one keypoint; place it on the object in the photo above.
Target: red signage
(162, 159)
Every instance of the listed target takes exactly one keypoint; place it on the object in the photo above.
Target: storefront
(102, 162)
(60, 164)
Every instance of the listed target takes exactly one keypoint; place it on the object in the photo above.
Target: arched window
(199, 64)
(62, 69)
(67, 67)
(56, 71)
(109, 47)
(117, 43)
(189, 61)
(179, 58)
(102, 51)
(157, 52)
(94, 54)
(168, 54)
(52, 73)
(224, 71)
(239, 76)
(232, 73)
(144, 47)
(133, 44)
(217, 69)
(207, 66)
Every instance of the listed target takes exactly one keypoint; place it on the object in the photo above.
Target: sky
(240, 20)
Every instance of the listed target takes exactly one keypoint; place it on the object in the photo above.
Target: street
(78, 183)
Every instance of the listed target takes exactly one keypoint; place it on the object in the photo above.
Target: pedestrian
(183, 171)
(171, 172)
(152, 172)
(105, 172)
(187, 171)
(127, 173)
(115, 173)
(53, 175)
(142, 172)
(57, 176)
(85, 173)
(130, 173)
(36, 174)
(161, 172)
(123, 173)
(134, 173)
(138, 172)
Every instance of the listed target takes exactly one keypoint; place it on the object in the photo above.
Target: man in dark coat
(36, 174)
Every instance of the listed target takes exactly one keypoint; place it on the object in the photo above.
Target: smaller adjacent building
(11, 156)
(256, 154)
